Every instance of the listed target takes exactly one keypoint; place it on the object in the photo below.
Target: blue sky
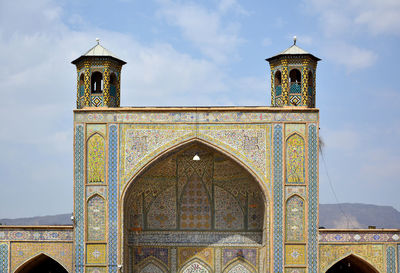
(198, 53)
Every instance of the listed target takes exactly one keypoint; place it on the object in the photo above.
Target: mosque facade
(196, 189)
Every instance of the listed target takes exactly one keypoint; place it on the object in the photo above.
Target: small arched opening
(295, 81)
(97, 82)
(310, 83)
(41, 264)
(81, 85)
(278, 83)
(352, 264)
(113, 85)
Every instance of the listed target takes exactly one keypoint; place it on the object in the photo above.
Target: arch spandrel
(142, 145)
(355, 263)
(38, 258)
(370, 253)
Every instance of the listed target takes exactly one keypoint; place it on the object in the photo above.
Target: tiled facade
(250, 204)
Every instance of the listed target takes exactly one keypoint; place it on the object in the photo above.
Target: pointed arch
(152, 265)
(135, 225)
(295, 159)
(220, 148)
(357, 265)
(96, 158)
(96, 218)
(196, 265)
(239, 265)
(96, 82)
(40, 263)
(113, 84)
(295, 219)
(82, 84)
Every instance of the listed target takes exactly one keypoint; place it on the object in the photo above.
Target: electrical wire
(333, 190)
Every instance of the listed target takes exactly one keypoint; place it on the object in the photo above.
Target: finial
(294, 40)
(98, 40)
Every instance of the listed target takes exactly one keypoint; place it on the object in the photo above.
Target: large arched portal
(186, 213)
(352, 264)
(41, 264)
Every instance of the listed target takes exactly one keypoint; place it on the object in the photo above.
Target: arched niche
(239, 266)
(352, 264)
(183, 198)
(295, 159)
(295, 219)
(41, 263)
(96, 218)
(96, 159)
(151, 265)
(196, 266)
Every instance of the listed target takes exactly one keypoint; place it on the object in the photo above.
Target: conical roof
(293, 50)
(99, 51)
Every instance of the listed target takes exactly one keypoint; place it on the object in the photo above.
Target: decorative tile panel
(373, 236)
(96, 253)
(43, 234)
(23, 251)
(96, 269)
(162, 254)
(96, 128)
(298, 190)
(202, 117)
(248, 254)
(295, 160)
(390, 259)
(312, 199)
(295, 254)
(203, 238)
(79, 198)
(113, 197)
(188, 253)
(96, 159)
(4, 257)
(295, 210)
(372, 253)
(96, 219)
(291, 128)
(92, 190)
(278, 200)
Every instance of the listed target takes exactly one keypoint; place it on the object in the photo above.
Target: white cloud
(226, 5)
(351, 56)
(367, 16)
(204, 28)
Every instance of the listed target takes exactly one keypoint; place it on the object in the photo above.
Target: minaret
(293, 77)
(99, 78)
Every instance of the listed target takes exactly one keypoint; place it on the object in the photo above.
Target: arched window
(113, 85)
(97, 82)
(81, 85)
(310, 83)
(295, 81)
(278, 83)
